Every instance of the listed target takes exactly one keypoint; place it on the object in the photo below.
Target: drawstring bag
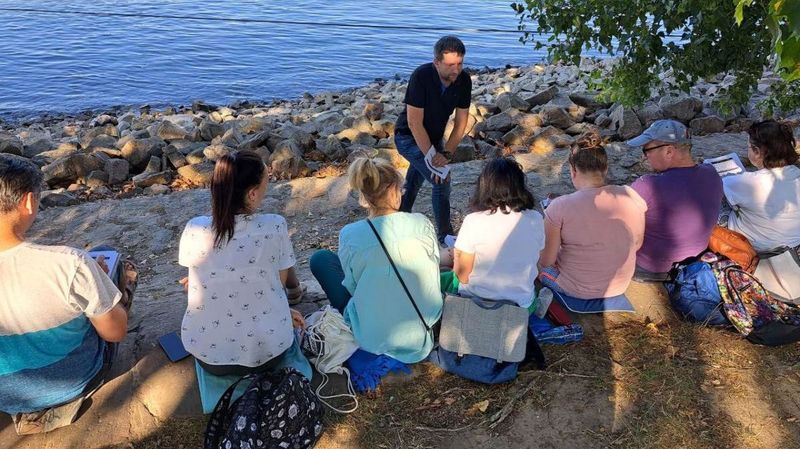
(329, 342)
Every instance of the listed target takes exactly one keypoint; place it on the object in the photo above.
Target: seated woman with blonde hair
(592, 234)
(360, 281)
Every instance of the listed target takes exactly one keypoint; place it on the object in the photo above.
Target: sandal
(295, 294)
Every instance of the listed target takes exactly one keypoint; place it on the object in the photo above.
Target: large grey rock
(499, 122)
(465, 151)
(154, 165)
(103, 141)
(104, 119)
(542, 96)
(332, 148)
(575, 111)
(556, 116)
(62, 150)
(548, 139)
(364, 139)
(96, 178)
(649, 114)
(57, 198)
(208, 130)
(202, 106)
(588, 100)
(260, 139)
(681, 108)
(148, 179)
(373, 110)
(507, 100)
(232, 138)
(170, 131)
(215, 152)
(198, 174)
(117, 169)
(176, 158)
(287, 160)
(37, 147)
(68, 169)
(196, 156)
(11, 145)
(138, 151)
(488, 150)
(625, 122)
(707, 125)
(91, 133)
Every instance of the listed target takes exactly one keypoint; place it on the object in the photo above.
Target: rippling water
(60, 62)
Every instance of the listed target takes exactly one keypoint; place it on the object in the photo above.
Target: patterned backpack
(278, 410)
(752, 311)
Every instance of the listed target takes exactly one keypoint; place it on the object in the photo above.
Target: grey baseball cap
(667, 131)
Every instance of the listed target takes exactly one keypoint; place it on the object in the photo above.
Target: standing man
(434, 91)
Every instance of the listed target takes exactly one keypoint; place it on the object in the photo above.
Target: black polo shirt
(425, 90)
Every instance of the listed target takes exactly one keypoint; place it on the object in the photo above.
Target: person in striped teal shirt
(60, 313)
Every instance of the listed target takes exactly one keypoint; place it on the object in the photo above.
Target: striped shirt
(49, 350)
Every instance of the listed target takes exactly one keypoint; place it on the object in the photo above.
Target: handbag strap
(400, 278)
(218, 422)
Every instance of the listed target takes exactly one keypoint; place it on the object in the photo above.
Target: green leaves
(691, 39)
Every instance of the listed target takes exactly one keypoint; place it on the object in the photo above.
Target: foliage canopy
(688, 39)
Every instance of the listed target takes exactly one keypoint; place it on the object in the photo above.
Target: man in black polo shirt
(434, 91)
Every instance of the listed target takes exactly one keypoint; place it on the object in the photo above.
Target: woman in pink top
(592, 235)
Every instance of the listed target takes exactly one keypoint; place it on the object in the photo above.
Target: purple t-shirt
(682, 208)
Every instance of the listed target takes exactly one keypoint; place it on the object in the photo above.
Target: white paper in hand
(441, 172)
(727, 165)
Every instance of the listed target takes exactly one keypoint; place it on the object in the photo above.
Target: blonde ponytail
(373, 179)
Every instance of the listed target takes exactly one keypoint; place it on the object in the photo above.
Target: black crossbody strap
(419, 314)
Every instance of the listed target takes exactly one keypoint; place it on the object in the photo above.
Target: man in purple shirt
(683, 200)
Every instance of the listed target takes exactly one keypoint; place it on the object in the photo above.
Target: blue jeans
(327, 269)
(417, 173)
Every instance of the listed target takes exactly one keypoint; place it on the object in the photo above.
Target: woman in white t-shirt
(499, 242)
(766, 202)
(238, 319)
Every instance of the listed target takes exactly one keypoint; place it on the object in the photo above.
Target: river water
(79, 55)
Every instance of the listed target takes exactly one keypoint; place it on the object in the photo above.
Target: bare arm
(459, 125)
(463, 264)
(552, 243)
(112, 326)
(415, 116)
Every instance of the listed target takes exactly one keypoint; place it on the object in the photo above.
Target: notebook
(112, 259)
(726, 165)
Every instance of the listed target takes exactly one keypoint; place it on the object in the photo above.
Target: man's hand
(439, 159)
(298, 322)
(185, 283)
(101, 260)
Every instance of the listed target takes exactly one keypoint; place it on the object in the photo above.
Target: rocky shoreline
(129, 151)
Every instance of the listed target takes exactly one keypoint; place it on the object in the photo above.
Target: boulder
(196, 156)
(232, 138)
(384, 128)
(465, 151)
(62, 150)
(156, 189)
(37, 146)
(57, 198)
(488, 150)
(96, 178)
(117, 170)
(252, 125)
(11, 145)
(507, 100)
(287, 160)
(102, 141)
(649, 114)
(332, 148)
(603, 120)
(681, 108)
(208, 130)
(103, 120)
(588, 100)
(138, 151)
(148, 179)
(518, 135)
(176, 158)
(707, 125)
(625, 122)
(580, 128)
(373, 110)
(198, 174)
(154, 165)
(548, 139)
(542, 96)
(68, 169)
(530, 122)
(499, 122)
(202, 106)
(576, 112)
(364, 139)
(169, 131)
(556, 116)
(255, 141)
(91, 133)
(215, 152)
(263, 153)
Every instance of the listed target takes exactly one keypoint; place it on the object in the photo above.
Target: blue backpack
(694, 293)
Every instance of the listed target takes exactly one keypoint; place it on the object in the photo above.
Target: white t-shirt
(506, 249)
(768, 203)
(237, 312)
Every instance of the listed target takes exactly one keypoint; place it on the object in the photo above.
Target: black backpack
(278, 410)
